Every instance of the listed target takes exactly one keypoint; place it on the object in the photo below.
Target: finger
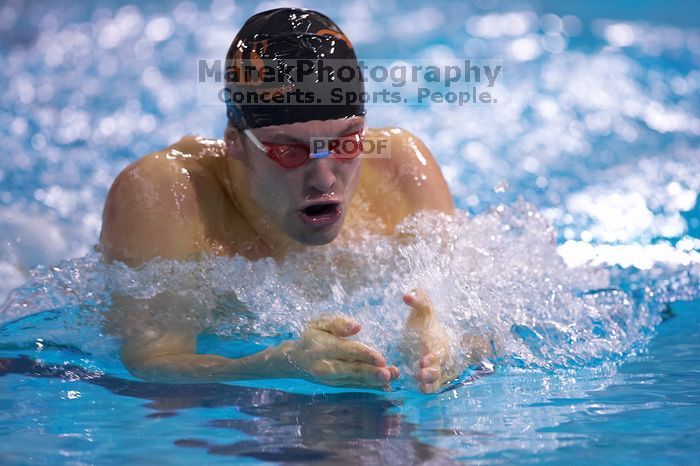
(428, 360)
(347, 382)
(428, 375)
(340, 326)
(347, 372)
(431, 387)
(418, 300)
(358, 352)
(434, 358)
(394, 372)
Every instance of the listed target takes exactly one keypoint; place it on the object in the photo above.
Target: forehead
(302, 131)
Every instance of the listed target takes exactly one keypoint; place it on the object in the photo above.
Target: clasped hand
(325, 354)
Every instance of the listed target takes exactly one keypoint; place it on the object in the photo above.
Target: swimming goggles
(289, 156)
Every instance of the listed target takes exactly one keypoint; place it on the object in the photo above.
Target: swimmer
(261, 193)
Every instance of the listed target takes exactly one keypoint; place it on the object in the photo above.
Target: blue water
(599, 135)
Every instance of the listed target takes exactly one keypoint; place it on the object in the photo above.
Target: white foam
(496, 274)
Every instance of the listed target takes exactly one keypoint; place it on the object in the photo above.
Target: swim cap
(284, 66)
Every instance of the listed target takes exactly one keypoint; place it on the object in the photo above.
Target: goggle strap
(256, 142)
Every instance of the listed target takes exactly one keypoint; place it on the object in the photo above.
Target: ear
(235, 147)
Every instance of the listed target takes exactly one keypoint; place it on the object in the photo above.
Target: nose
(320, 176)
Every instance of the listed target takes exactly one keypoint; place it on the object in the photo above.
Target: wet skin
(226, 198)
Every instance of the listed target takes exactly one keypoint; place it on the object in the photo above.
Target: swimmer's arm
(159, 342)
(149, 213)
(321, 354)
(170, 357)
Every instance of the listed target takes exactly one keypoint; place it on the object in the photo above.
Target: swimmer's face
(310, 202)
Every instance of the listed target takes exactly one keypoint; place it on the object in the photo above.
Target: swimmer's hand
(426, 344)
(323, 354)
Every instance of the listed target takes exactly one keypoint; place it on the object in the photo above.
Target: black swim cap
(281, 44)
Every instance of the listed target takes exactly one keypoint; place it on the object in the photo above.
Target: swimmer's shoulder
(190, 152)
(172, 170)
(153, 208)
(401, 150)
(401, 155)
(197, 148)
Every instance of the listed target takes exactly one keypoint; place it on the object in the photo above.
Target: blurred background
(599, 129)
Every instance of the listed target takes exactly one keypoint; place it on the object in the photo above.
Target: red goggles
(289, 156)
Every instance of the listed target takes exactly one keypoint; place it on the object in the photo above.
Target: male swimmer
(262, 193)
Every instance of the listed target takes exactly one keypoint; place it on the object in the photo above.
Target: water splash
(497, 274)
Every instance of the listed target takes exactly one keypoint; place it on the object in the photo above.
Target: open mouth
(320, 214)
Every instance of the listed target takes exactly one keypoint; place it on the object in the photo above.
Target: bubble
(525, 49)
(38, 141)
(159, 29)
(619, 35)
(571, 25)
(404, 25)
(222, 9)
(185, 13)
(554, 43)
(551, 23)
(110, 36)
(18, 126)
(147, 123)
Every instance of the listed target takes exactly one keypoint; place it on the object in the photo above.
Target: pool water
(578, 246)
